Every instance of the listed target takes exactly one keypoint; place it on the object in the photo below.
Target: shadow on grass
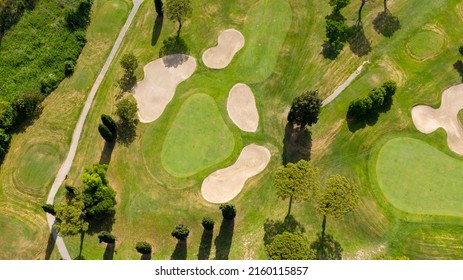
(105, 157)
(297, 144)
(145, 257)
(95, 226)
(224, 240)
(326, 247)
(22, 124)
(459, 67)
(174, 45)
(272, 228)
(126, 132)
(109, 251)
(204, 250)
(358, 43)
(50, 245)
(386, 24)
(157, 27)
(180, 251)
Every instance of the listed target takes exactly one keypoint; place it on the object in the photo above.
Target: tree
(107, 135)
(126, 109)
(305, 109)
(129, 63)
(7, 115)
(326, 248)
(178, 10)
(4, 142)
(49, 208)
(339, 197)
(339, 4)
(143, 247)
(296, 181)
(109, 123)
(99, 198)
(207, 223)
(290, 246)
(158, 6)
(106, 237)
(360, 108)
(70, 217)
(390, 88)
(228, 211)
(26, 104)
(181, 232)
(377, 96)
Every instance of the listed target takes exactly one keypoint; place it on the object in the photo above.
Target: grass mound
(417, 178)
(198, 138)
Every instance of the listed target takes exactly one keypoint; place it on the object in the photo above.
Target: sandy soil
(225, 184)
(241, 107)
(157, 89)
(230, 42)
(428, 119)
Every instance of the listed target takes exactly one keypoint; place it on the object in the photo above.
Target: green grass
(197, 139)
(417, 178)
(426, 44)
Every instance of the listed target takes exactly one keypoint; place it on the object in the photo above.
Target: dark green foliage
(109, 123)
(377, 96)
(49, 83)
(106, 237)
(359, 108)
(107, 135)
(4, 142)
(129, 63)
(181, 232)
(127, 109)
(71, 190)
(208, 223)
(390, 88)
(7, 115)
(69, 67)
(290, 246)
(26, 105)
(11, 12)
(337, 32)
(143, 247)
(338, 4)
(99, 198)
(158, 6)
(49, 208)
(460, 50)
(305, 109)
(79, 18)
(228, 211)
(326, 248)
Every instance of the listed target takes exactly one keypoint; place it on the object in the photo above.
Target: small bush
(49, 83)
(69, 67)
(143, 247)
(180, 232)
(228, 211)
(49, 208)
(106, 237)
(109, 123)
(208, 223)
(107, 135)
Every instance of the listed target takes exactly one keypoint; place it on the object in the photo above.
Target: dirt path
(64, 170)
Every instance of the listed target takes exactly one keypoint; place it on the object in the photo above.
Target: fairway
(417, 178)
(198, 138)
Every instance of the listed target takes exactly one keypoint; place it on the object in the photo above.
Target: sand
(428, 119)
(229, 43)
(157, 89)
(225, 184)
(242, 109)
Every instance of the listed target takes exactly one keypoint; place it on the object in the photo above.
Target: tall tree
(129, 63)
(305, 109)
(290, 246)
(127, 109)
(70, 217)
(228, 211)
(99, 198)
(178, 10)
(107, 135)
(143, 247)
(296, 181)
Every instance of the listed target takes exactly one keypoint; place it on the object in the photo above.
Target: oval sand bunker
(157, 89)
(225, 184)
(229, 43)
(241, 107)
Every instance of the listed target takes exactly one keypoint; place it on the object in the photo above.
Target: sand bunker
(157, 89)
(241, 107)
(230, 42)
(427, 119)
(225, 184)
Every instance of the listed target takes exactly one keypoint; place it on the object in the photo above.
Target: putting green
(417, 178)
(197, 139)
(426, 44)
(37, 167)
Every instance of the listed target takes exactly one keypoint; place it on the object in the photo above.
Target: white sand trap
(225, 184)
(427, 119)
(157, 89)
(242, 109)
(230, 42)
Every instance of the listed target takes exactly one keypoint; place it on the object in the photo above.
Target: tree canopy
(70, 217)
(127, 109)
(339, 197)
(178, 10)
(228, 211)
(290, 246)
(143, 247)
(181, 232)
(305, 109)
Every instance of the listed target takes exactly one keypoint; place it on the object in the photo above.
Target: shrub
(180, 232)
(143, 247)
(126, 109)
(377, 96)
(49, 208)
(107, 135)
(69, 67)
(7, 115)
(49, 83)
(106, 237)
(208, 223)
(390, 88)
(26, 105)
(109, 123)
(228, 211)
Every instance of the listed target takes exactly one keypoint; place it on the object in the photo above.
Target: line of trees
(11, 12)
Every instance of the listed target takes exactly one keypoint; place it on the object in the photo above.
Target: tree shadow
(205, 246)
(126, 132)
(180, 251)
(273, 228)
(386, 24)
(224, 240)
(459, 67)
(22, 124)
(105, 157)
(331, 52)
(145, 257)
(156, 30)
(297, 144)
(174, 51)
(109, 251)
(50, 244)
(326, 247)
(358, 42)
(81, 246)
(96, 226)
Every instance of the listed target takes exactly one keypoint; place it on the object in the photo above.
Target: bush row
(374, 103)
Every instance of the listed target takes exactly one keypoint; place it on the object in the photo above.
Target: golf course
(211, 127)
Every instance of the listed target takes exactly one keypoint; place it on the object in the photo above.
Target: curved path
(64, 169)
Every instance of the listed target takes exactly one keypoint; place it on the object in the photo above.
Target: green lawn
(197, 139)
(426, 44)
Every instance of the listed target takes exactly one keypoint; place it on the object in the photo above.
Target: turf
(426, 44)
(411, 171)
